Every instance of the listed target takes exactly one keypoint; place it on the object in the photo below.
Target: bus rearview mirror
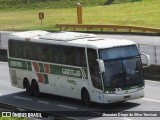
(101, 65)
(147, 59)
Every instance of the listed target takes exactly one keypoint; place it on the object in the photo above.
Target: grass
(13, 118)
(145, 13)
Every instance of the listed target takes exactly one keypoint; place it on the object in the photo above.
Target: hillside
(53, 4)
(46, 4)
(145, 13)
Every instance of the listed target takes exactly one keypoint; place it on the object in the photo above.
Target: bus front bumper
(111, 98)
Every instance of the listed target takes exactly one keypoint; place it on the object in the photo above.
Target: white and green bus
(76, 65)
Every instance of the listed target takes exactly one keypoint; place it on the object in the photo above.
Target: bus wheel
(86, 97)
(35, 88)
(28, 87)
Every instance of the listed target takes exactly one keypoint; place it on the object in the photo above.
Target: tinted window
(17, 49)
(79, 57)
(119, 52)
(20, 49)
(42, 52)
(11, 48)
(54, 53)
(67, 55)
(31, 51)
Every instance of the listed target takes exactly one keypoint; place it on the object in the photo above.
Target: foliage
(126, 1)
(43, 4)
(13, 118)
(108, 2)
(145, 13)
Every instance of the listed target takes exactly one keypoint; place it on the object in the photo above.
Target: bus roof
(70, 39)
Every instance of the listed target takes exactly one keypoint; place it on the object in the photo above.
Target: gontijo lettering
(71, 72)
(15, 64)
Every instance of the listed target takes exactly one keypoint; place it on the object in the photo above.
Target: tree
(108, 2)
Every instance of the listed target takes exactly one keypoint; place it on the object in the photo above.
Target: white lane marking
(97, 113)
(22, 98)
(126, 118)
(150, 99)
(43, 102)
(67, 106)
(152, 81)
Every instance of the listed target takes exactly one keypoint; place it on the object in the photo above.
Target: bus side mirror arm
(147, 59)
(101, 65)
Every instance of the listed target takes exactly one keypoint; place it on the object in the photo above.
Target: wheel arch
(86, 97)
(83, 90)
(34, 80)
(35, 88)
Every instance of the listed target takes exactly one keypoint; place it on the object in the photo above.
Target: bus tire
(35, 88)
(86, 97)
(28, 87)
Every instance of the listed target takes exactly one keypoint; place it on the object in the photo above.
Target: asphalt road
(15, 96)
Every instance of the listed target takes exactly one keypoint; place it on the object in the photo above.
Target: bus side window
(54, 53)
(79, 57)
(31, 51)
(12, 52)
(42, 52)
(94, 68)
(21, 49)
(67, 55)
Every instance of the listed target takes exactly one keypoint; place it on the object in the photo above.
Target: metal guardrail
(3, 55)
(115, 28)
(4, 39)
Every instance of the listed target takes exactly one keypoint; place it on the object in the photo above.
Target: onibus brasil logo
(23, 114)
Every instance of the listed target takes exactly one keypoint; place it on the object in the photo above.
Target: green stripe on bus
(41, 67)
(45, 76)
(54, 69)
(69, 71)
(19, 64)
(29, 65)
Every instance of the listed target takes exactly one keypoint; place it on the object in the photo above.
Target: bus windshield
(123, 67)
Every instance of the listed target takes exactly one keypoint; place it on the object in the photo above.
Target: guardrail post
(79, 13)
(115, 29)
(155, 54)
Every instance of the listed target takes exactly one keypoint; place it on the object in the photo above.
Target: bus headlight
(110, 92)
(140, 88)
